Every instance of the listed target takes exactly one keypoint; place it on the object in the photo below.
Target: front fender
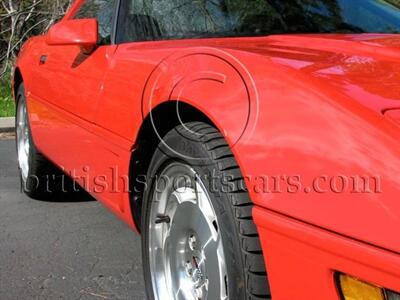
(317, 156)
(213, 81)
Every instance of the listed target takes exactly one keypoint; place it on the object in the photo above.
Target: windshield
(169, 19)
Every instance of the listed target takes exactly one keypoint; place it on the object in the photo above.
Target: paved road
(73, 249)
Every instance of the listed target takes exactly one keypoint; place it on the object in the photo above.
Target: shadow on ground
(71, 248)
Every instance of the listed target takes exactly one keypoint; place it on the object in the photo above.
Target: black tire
(43, 177)
(203, 148)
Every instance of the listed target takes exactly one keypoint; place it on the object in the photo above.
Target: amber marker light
(355, 289)
(352, 288)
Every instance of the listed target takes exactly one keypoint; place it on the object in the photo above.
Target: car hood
(365, 67)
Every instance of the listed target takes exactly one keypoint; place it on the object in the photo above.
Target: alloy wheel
(186, 254)
(23, 139)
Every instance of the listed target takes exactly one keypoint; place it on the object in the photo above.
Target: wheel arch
(158, 123)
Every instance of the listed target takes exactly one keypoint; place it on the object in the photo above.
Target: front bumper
(302, 259)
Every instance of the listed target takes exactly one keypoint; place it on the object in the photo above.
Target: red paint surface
(74, 32)
(306, 105)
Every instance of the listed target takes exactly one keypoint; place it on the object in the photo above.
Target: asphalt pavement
(69, 249)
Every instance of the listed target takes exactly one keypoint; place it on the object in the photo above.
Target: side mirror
(83, 32)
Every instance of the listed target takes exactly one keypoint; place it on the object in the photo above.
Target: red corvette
(255, 145)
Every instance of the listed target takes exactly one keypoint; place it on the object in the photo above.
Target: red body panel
(301, 106)
(74, 32)
(303, 259)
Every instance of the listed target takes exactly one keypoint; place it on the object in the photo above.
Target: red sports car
(255, 145)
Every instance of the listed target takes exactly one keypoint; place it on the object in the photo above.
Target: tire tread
(214, 142)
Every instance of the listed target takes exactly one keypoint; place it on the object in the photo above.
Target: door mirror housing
(82, 32)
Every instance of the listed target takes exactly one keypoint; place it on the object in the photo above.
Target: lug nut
(160, 219)
(192, 242)
(189, 269)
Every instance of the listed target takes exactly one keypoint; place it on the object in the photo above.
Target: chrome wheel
(23, 139)
(186, 254)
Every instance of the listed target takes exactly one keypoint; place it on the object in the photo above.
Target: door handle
(43, 59)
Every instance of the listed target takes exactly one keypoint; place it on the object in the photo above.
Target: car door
(136, 58)
(78, 74)
(73, 79)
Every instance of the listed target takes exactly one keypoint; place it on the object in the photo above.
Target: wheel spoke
(185, 194)
(204, 203)
(210, 248)
(190, 263)
(215, 269)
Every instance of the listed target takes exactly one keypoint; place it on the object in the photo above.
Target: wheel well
(17, 80)
(163, 119)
